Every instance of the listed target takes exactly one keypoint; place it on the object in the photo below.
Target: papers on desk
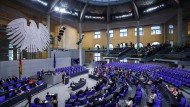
(45, 101)
(51, 94)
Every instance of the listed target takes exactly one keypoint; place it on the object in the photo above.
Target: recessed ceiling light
(56, 9)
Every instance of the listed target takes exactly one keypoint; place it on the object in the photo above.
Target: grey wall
(30, 67)
(73, 53)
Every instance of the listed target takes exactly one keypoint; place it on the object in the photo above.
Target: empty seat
(10, 87)
(2, 98)
(27, 87)
(11, 94)
(12, 82)
(5, 84)
(68, 105)
(18, 85)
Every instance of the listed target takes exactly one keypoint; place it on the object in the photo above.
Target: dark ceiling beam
(83, 12)
(53, 5)
(135, 10)
(108, 14)
(176, 3)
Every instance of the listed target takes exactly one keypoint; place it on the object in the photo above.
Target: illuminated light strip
(94, 17)
(124, 16)
(42, 2)
(154, 8)
(63, 10)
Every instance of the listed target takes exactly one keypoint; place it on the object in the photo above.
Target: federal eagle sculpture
(30, 38)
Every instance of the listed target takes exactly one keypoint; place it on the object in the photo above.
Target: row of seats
(4, 84)
(175, 76)
(71, 70)
(16, 89)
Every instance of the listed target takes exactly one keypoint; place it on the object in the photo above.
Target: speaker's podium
(52, 78)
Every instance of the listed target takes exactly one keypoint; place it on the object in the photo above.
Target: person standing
(63, 77)
(29, 97)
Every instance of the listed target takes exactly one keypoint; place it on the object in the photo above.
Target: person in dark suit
(19, 91)
(48, 95)
(72, 84)
(103, 102)
(1, 89)
(179, 96)
(63, 77)
(14, 78)
(37, 100)
(80, 92)
(8, 79)
(86, 89)
(29, 97)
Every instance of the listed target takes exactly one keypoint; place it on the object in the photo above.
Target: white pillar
(80, 45)
(48, 27)
(108, 39)
(138, 35)
(179, 25)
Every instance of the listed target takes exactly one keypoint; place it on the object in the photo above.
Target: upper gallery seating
(150, 50)
(176, 53)
(118, 52)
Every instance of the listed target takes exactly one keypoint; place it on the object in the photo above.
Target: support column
(108, 39)
(179, 26)
(80, 45)
(164, 33)
(138, 35)
(48, 27)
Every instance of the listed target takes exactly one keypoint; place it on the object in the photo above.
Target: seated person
(129, 102)
(81, 79)
(72, 84)
(171, 88)
(14, 78)
(1, 89)
(151, 99)
(31, 80)
(149, 82)
(179, 96)
(175, 92)
(19, 91)
(48, 95)
(159, 80)
(86, 89)
(37, 100)
(2, 80)
(8, 79)
(54, 102)
(80, 92)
